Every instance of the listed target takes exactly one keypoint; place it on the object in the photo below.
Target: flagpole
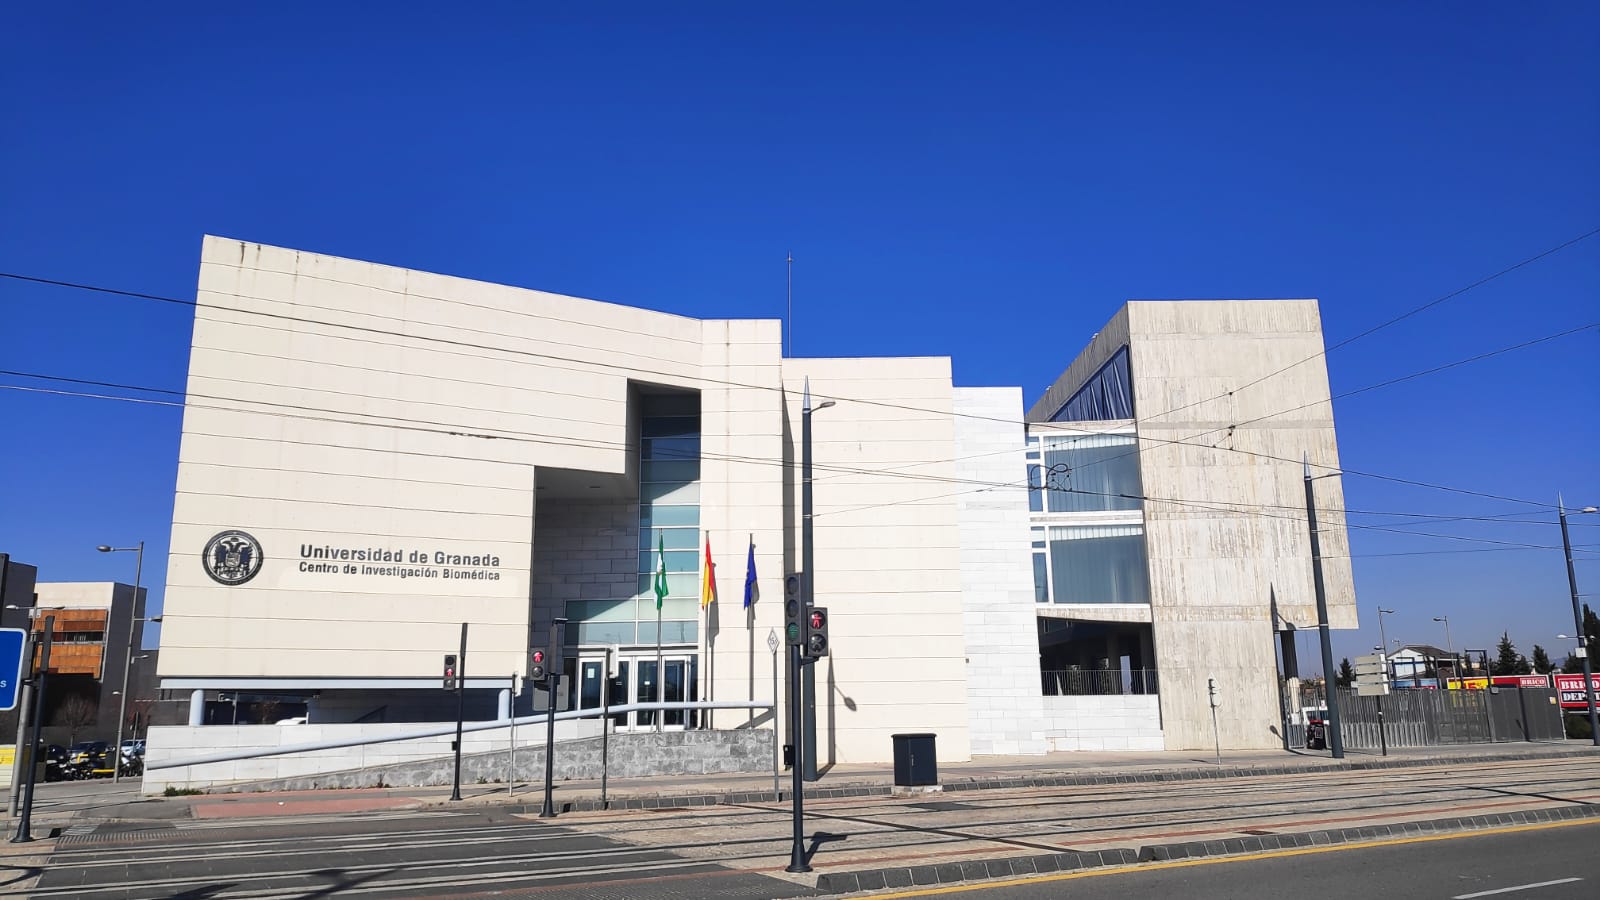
(750, 625)
(661, 567)
(708, 596)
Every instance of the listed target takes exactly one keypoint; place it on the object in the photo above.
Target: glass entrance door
(635, 680)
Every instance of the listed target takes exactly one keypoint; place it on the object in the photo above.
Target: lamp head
(827, 403)
(1441, 618)
(103, 548)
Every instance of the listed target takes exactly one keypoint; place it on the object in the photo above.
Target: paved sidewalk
(993, 817)
(996, 772)
(991, 772)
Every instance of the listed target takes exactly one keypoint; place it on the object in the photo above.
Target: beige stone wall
(421, 434)
(1225, 524)
(742, 493)
(1225, 516)
(887, 553)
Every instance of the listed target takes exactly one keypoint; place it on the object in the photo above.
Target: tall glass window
(1089, 473)
(1098, 564)
(669, 516)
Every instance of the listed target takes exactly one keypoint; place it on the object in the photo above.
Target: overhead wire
(1225, 507)
(702, 378)
(1390, 322)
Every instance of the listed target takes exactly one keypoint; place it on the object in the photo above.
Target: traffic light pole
(552, 679)
(461, 708)
(797, 847)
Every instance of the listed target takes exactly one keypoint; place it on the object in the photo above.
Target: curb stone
(1023, 866)
(1153, 776)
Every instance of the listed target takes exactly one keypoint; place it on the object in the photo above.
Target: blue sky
(985, 181)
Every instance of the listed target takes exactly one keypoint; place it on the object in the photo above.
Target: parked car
(89, 759)
(55, 761)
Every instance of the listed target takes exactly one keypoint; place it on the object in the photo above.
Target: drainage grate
(95, 836)
(1256, 831)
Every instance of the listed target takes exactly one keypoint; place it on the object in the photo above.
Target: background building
(89, 649)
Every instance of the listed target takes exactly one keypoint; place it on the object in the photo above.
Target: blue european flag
(750, 577)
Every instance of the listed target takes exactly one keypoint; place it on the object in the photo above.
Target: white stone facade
(343, 414)
(999, 610)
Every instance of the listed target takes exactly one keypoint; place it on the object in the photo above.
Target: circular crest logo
(232, 557)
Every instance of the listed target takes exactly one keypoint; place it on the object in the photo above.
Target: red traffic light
(538, 656)
(818, 620)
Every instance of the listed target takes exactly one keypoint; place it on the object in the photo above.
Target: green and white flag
(661, 570)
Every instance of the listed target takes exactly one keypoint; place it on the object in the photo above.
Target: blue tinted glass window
(1092, 472)
(1098, 564)
(1108, 394)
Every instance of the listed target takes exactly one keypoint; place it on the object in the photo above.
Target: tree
(1347, 674)
(1541, 660)
(1505, 662)
(76, 713)
(1523, 666)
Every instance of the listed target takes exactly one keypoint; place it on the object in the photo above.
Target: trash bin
(1316, 736)
(915, 761)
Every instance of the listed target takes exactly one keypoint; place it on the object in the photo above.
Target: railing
(1098, 682)
(427, 730)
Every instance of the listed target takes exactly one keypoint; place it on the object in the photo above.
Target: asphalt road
(220, 849)
(400, 854)
(1532, 863)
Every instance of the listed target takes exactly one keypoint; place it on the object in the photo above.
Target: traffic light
(794, 628)
(817, 633)
(537, 665)
(449, 671)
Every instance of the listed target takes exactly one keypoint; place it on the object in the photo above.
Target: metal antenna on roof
(788, 319)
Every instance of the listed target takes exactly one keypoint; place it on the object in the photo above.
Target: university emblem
(232, 558)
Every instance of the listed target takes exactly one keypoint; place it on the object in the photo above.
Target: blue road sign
(12, 640)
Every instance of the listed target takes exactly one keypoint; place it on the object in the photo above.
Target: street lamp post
(1383, 645)
(808, 736)
(1450, 647)
(127, 657)
(1335, 726)
(1577, 619)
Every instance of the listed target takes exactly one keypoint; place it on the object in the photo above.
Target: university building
(372, 456)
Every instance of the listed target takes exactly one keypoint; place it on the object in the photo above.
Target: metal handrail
(1098, 682)
(448, 729)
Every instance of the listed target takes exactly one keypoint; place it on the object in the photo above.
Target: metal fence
(1091, 682)
(1414, 718)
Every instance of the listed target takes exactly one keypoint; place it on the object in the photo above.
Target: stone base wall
(627, 756)
(1115, 722)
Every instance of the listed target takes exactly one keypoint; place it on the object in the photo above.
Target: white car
(297, 720)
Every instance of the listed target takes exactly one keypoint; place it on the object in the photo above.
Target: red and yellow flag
(708, 579)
